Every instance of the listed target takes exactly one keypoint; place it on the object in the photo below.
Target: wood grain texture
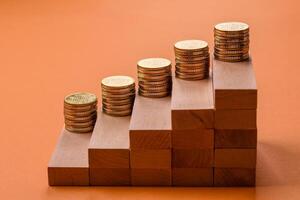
(150, 158)
(192, 177)
(109, 151)
(193, 139)
(150, 126)
(110, 176)
(109, 145)
(235, 119)
(69, 162)
(192, 158)
(192, 104)
(151, 177)
(228, 177)
(235, 158)
(234, 85)
(240, 138)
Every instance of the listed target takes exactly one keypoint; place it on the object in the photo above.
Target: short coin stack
(231, 41)
(80, 112)
(118, 93)
(192, 59)
(155, 77)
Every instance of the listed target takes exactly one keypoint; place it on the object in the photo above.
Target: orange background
(51, 48)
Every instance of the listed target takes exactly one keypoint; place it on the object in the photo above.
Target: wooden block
(69, 162)
(150, 159)
(192, 158)
(193, 139)
(235, 119)
(109, 151)
(150, 126)
(235, 158)
(234, 177)
(151, 177)
(110, 176)
(192, 177)
(192, 104)
(234, 85)
(239, 138)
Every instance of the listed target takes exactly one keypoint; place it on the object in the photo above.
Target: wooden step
(109, 151)
(192, 104)
(234, 85)
(69, 165)
(150, 126)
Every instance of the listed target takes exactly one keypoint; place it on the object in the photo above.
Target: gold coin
(81, 119)
(191, 45)
(80, 99)
(191, 76)
(191, 70)
(80, 124)
(231, 46)
(117, 102)
(117, 113)
(117, 107)
(156, 72)
(79, 130)
(120, 91)
(80, 108)
(154, 94)
(231, 58)
(180, 61)
(154, 89)
(117, 82)
(79, 114)
(118, 96)
(154, 63)
(154, 78)
(191, 59)
(227, 51)
(232, 27)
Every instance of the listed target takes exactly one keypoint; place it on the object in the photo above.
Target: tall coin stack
(118, 93)
(192, 59)
(80, 112)
(155, 77)
(231, 41)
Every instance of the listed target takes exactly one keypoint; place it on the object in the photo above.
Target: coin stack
(231, 41)
(118, 93)
(155, 77)
(192, 59)
(80, 112)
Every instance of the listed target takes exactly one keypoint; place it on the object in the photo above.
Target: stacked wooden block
(235, 123)
(192, 108)
(150, 142)
(205, 134)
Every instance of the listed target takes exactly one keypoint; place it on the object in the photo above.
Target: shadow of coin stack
(155, 78)
(192, 59)
(118, 93)
(231, 41)
(80, 112)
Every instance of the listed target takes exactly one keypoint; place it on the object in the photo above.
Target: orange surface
(51, 48)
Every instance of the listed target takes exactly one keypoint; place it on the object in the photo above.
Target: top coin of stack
(118, 93)
(231, 41)
(80, 112)
(155, 77)
(192, 59)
